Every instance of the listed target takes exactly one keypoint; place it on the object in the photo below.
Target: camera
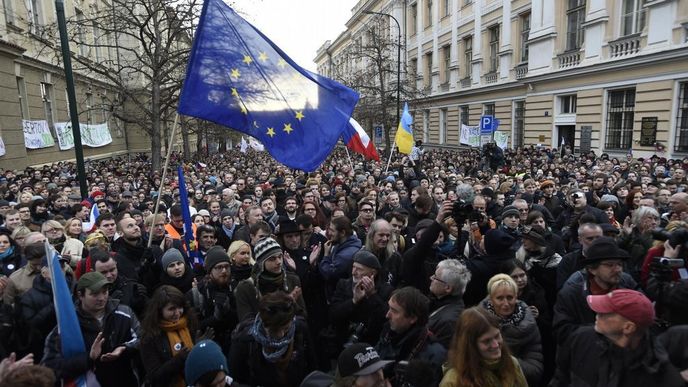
(674, 263)
(678, 237)
(356, 335)
(461, 211)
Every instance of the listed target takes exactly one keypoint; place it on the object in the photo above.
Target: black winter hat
(498, 241)
(215, 255)
(602, 249)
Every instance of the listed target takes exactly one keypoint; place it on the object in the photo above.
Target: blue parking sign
(486, 125)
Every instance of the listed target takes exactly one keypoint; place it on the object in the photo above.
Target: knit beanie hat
(172, 255)
(226, 212)
(215, 255)
(206, 356)
(266, 248)
(510, 211)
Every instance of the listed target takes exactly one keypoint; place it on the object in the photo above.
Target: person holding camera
(576, 206)
(359, 304)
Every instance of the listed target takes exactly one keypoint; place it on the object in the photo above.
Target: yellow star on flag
(247, 59)
(243, 109)
(263, 56)
(271, 132)
(235, 73)
(235, 92)
(281, 63)
(299, 115)
(288, 128)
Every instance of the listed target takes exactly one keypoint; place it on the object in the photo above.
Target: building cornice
(11, 48)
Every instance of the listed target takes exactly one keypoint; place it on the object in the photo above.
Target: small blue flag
(189, 237)
(238, 78)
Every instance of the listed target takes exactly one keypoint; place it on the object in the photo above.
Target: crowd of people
(478, 267)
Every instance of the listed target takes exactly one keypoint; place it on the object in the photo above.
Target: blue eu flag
(238, 78)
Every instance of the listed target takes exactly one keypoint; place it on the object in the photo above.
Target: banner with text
(2, 147)
(91, 135)
(37, 134)
(470, 135)
(501, 139)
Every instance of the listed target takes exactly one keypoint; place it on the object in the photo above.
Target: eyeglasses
(366, 210)
(435, 278)
(221, 268)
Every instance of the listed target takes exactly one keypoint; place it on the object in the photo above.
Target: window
(34, 16)
(468, 54)
(489, 109)
(443, 126)
(9, 11)
(428, 14)
(682, 119)
(525, 31)
(413, 72)
(413, 19)
(494, 49)
(567, 104)
(47, 97)
(620, 106)
(426, 124)
(519, 123)
(89, 108)
(427, 75)
(575, 16)
(446, 60)
(96, 42)
(83, 48)
(464, 114)
(633, 19)
(446, 8)
(23, 102)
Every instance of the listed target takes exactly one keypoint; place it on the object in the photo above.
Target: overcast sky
(298, 27)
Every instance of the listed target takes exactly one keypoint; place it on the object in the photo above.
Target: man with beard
(359, 303)
(603, 273)
(131, 251)
(338, 253)
(110, 330)
(213, 297)
(267, 205)
(379, 241)
(128, 292)
(290, 208)
(366, 215)
(447, 285)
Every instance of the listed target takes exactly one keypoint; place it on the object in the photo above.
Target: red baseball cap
(631, 304)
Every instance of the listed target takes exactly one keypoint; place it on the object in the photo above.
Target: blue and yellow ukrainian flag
(404, 137)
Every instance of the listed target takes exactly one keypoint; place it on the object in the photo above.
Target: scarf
(272, 349)
(516, 317)
(240, 273)
(7, 253)
(270, 282)
(178, 335)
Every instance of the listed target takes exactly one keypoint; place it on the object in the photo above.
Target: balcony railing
(627, 45)
(569, 59)
(521, 70)
(490, 77)
(466, 82)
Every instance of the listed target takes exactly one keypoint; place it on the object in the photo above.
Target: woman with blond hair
(74, 228)
(70, 248)
(517, 324)
(241, 261)
(478, 356)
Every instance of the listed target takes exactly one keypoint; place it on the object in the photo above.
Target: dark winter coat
(249, 366)
(571, 310)
(247, 296)
(216, 308)
(445, 312)
(338, 264)
(590, 359)
(482, 269)
(162, 369)
(420, 261)
(370, 311)
(130, 258)
(12, 263)
(120, 327)
(37, 310)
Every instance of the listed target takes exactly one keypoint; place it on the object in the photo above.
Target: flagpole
(164, 174)
(391, 151)
(349, 156)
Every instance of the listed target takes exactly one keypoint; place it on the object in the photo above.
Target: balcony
(628, 45)
(466, 82)
(490, 77)
(569, 59)
(521, 71)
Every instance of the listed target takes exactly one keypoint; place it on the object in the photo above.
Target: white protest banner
(465, 135)
(91, 135)
(65, 138)
(501, 139)
(37, 134)
(474, 136)
(2, 147)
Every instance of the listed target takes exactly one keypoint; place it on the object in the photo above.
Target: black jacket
(590, 359)
(133, 259)
(482, 269)
(216, 308)
(445, 312)
(37, 310)
(420, 261)
(571, 310)
(369, 311)
(249, 366)
(162, 369)
(130, 293)
(120, 327)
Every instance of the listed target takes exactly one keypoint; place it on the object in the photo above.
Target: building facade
(603, 75)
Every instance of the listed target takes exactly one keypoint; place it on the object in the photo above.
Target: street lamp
(398, 56)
